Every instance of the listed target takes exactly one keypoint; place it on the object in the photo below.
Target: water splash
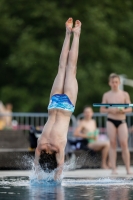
(24, 161)
(38, 177)
(45, 178)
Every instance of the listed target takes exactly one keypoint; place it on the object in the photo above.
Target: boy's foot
(69, 25)
(104, 166)
(129, 173)
(77, 28)
(109, 165)
(114, 172)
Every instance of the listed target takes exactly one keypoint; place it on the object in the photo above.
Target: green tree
(31, 38)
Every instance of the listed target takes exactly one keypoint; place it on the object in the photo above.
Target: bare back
(55, 130)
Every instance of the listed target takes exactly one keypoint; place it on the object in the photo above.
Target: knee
(70, 55)
(124, 145)
(108, 144)
(61, 68)
(113, 144)
(71, 69)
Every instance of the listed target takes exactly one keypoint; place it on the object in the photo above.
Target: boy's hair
(48, 161)
(114, 75)
(87, 106)
(9, 106)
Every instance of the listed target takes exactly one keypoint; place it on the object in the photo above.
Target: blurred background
(31, 37)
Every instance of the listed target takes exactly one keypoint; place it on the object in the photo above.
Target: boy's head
(9, 107)
(88, 112)
(114, 81)
(48, 161)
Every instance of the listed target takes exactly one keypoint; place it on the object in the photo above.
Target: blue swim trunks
(61, 101)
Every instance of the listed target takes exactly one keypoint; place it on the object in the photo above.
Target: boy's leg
(123, 139)
(112, 134)
(101, 146)
(70, 85)
(58, 84)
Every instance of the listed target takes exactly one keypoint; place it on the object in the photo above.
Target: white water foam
(14, 181)
(8, 182)
(96, 182)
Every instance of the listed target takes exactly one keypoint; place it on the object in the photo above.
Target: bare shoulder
(106, 95)
(126, 97)
(94, 121)
(82, 122)
(126, 94)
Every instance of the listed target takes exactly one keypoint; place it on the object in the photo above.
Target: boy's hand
(58, 173)
(121, 110)
(118, 110)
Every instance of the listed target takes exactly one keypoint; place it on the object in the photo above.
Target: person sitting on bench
(87, 129)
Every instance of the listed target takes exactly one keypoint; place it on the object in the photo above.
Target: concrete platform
(81, 173)
(13, 139)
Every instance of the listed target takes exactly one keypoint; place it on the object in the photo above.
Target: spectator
(2, 118)
(8, 117)
(87, 129)
(116, 121)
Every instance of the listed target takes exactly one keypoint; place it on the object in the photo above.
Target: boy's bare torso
(119, 97)
(88, 125)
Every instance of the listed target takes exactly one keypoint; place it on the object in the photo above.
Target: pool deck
(82, 173)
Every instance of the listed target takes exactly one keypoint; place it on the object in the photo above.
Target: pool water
(23, 188)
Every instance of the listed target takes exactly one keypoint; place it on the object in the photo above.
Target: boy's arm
(37, 156)
(60, 163)
(96, 131)
(77, 132)
(127, 100)
(104, 109)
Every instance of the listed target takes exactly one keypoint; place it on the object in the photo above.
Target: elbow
(75, 134)
(101, 110)
(130, 110)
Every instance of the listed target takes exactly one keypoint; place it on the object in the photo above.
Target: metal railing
(23, 121)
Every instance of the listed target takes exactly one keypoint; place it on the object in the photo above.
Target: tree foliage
(31, 38)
